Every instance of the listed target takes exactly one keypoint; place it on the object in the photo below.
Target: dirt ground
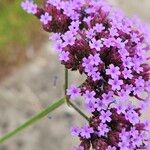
(37, 84)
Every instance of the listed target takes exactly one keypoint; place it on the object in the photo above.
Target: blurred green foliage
(12, 21)
(18, 30)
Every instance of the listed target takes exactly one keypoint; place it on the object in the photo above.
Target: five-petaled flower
(73, 92)
(45, 18)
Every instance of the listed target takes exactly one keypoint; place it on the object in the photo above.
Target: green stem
(69, 103)
(66, 80)
(33, 120)
(66, 85)
(78, 110)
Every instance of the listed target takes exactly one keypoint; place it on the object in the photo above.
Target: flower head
(111, 50)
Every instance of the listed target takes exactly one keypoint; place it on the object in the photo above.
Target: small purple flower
(75, 131)
(121, 108)
(113, 71)
(25, 5)
(88, 21)
(96, 44)
(56, 37)
(90, 33)
(105, 116)
(64, 56)
(107, 98)
(113, 32)
(90, 10)
(90, 70)
(115, 83)
(135, 37)
(90, 106)
(123, 94)
(94, 59)
(86, 131)
(130, 106)
(58, 47)
(132, 116)
(69, 39)
(96, 76)
(29, 6)
(103, 129)
(68, 9)
(99, 27)
(127, 73)
(134, 133)
(74, 25)
(137, 90)
(124, 136)
(86, 62)
(89, 96)
(119, 43)
(127, 62)
(139, 82)
(73, 92)
(100, 105)
(137, 66)
(108, 42)
(128, 88)
(46, 18)
(144, 105)
(123, 53)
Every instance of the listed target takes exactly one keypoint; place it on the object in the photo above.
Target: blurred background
(31, 78)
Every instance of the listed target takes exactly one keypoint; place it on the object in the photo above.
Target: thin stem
(66, 85)
(78, 110)
(66, 80)
(33, 120)
(69, 103)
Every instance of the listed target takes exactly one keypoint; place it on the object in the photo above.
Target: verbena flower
(45, 18)
(111, 50)
(113, 71)
(102, 130)
(73, 92)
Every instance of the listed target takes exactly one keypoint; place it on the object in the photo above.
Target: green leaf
(33, 120)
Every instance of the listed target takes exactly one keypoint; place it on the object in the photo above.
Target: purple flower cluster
(111, 50)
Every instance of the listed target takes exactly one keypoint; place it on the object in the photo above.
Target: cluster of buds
(111, 49)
